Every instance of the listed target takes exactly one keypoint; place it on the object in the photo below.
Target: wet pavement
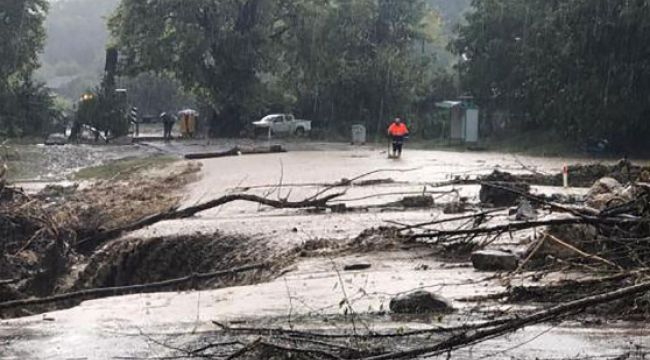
(132, 326)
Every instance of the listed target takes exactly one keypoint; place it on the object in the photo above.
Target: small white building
(464, 123)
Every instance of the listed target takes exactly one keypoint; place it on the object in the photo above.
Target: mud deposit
(145, 261)
(55, 163)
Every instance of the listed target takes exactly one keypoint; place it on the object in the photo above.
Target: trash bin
(358, 135)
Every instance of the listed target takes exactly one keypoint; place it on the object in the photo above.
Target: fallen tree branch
(362, 183)
(396, 193)
(532, 253)
(355, 181)
(455, 182)
(470, 338)
(582, 253)
(397, 334)
(121, 290)
(349, 182)
(452, 219)
(92, 242)
(516, 226)
(297, 350)
(583, 211)
(251, 346)
(236, 151)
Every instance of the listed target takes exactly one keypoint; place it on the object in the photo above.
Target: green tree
(336, 61)
(24, 104)
(360, 61)
(579, 67)
(219, 49)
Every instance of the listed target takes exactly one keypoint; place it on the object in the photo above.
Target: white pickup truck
(283, 124)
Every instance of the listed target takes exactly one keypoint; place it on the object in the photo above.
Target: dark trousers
(168, 130)
(398, 142)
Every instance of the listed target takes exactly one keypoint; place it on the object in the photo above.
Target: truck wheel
(300, 132)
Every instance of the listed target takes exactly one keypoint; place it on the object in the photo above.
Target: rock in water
(525, 211)
(417, 202)
(605, 185)
(420, 302)
(497, 193)
(494, 260)
(608, 192)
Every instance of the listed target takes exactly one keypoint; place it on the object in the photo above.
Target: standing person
(168, 124)
(397, 131)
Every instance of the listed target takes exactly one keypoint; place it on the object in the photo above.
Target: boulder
(497, 193)
(604, 185)
(415, 202)
(608, 192)
(455, 207)
(419, 302)
(525, 211)
(494, 260)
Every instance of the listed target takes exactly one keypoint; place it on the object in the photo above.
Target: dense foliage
(336, 62)
(25, 105)
(580, 67)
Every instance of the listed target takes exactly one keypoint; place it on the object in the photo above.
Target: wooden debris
(236, 151)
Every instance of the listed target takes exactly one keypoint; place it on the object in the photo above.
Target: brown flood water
(311, 290)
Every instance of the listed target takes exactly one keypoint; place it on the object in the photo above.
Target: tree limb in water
(515, 226)
(121, 290)
(92, 242)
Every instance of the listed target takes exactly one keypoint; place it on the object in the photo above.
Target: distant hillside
(74, 51)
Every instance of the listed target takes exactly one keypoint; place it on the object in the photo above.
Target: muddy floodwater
(307, 294)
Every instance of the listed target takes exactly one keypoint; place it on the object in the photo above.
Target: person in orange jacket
(397, 131)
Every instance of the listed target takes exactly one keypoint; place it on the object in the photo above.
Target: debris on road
(423, 201)
(356, 267)
(607, 192)
(499, 193)
(420, 302)
(580, 175)
(237, 151)
(494, 260)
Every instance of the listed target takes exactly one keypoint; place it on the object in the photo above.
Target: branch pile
(609, 234)
(38, 232)
(282, 343)
(580, 175)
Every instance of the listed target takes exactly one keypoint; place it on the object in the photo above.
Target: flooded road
(280, 173)
(308, 297)
(309, 292)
